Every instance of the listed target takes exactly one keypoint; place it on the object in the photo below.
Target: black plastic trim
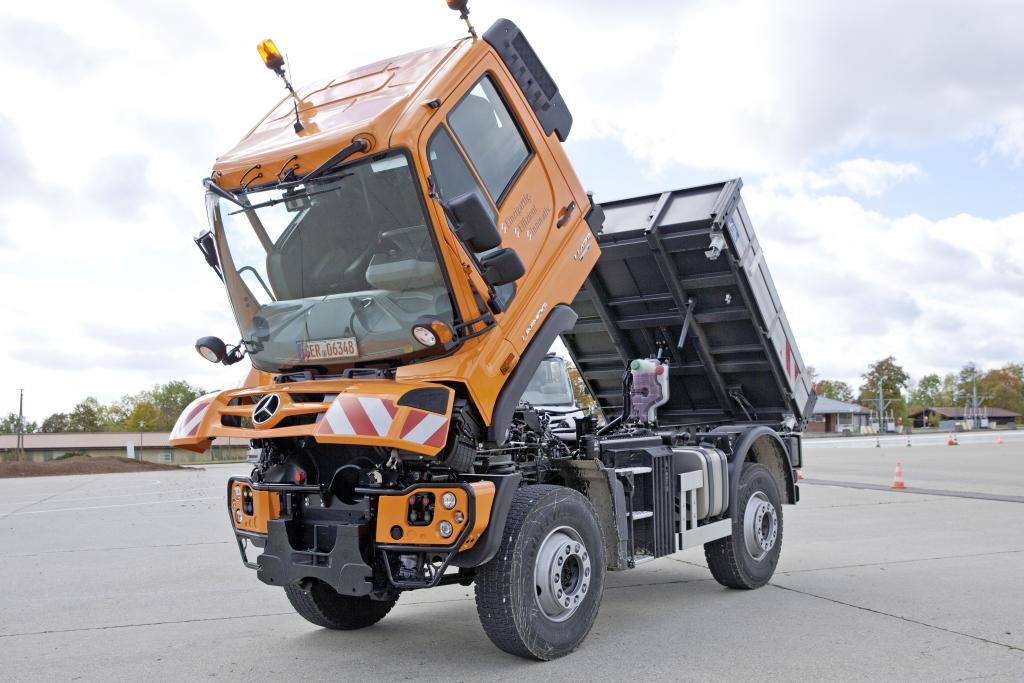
(594, 216)
(560, 320)
(431, 399)
(505, 487)
(746, 436)
(531, 76)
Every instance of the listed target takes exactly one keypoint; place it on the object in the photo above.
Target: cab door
(482, 145)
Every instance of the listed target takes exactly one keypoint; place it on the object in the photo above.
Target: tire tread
(322, 605)
(722, 555)
(494, 580)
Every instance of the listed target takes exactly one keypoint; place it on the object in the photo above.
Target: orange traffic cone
(799, 475)
(897, 480)
(951, 441)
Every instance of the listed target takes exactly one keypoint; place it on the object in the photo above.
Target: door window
(492, 140)
(450, 171)
(454, 178)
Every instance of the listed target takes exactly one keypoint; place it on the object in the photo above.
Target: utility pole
(142, 425)
(882, 405)
(20, 448)
(972, 404)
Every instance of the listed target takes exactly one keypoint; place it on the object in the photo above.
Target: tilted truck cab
(401, 246)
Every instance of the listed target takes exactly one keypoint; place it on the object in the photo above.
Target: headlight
(430, 331)
(448, 500)
(238, 516)
(445, 527)
(424, 335)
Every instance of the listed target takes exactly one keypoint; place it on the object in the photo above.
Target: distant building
(152, 447)
(835, 416)
(949, 415)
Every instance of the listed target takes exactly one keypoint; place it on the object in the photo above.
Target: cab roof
(365, 102)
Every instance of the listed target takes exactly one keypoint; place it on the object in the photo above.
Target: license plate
(329, 348)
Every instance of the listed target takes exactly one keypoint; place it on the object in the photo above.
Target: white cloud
(864, 177)
(116, 110)
(859, 286)
(1009, 139)
(763, 87)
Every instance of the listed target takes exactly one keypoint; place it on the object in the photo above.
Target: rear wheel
(748, 557)
(539, 596)
(320, 604)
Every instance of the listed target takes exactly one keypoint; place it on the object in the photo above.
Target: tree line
(152, 410)
(157, 409)
(1001, 388)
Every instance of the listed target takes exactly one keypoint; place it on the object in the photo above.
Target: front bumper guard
(344, 567)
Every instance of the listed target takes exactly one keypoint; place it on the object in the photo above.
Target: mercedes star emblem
(266, 408)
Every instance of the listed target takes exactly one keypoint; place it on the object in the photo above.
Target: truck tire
(748, 557)
(539, 596)
(322, 605)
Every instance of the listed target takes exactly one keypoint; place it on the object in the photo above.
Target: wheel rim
(760, 526)
(561, 574)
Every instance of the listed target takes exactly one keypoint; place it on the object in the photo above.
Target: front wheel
(320, 604)
(748, 557)
(539, 596)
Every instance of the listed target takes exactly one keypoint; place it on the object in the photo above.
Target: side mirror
(212, 349)
(207, 245)
(215, 350)
(473, 223)
(502, 267)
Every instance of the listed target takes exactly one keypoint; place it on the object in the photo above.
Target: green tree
(9, 425)
(832, 388)
(893, 379)
(926, 391)
(145, 415)
(944, 397)
(965, 381)
(87, 416)
(58, 422)
(171, 399)
(1004, 388)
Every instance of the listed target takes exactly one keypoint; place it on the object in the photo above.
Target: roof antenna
(462, 7)
(274, 60)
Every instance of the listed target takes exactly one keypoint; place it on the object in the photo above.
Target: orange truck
(401, 246)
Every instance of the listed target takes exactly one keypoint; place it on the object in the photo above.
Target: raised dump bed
(683, 271)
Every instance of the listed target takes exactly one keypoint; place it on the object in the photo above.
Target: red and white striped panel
(359, 415)
(189, 420)
(429, 429)
(791, 367)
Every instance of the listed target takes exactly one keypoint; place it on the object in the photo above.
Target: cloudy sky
(881, 146)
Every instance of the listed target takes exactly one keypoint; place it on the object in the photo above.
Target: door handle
(565, 215)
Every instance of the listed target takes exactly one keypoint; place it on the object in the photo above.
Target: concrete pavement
(136, 576)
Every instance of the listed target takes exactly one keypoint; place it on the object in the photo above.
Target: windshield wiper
(286, 198)
(211, 185)
(357, 145)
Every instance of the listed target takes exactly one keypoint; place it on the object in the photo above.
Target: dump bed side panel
(683, 271)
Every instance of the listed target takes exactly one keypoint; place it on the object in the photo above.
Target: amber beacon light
(271, 56)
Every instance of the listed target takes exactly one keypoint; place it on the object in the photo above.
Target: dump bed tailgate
(683, 271)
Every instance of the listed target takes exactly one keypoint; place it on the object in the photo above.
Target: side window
(487, 132)
(453, 178)
(450, 171)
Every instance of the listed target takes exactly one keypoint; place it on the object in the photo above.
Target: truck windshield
(332, 273)
(550, 385)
